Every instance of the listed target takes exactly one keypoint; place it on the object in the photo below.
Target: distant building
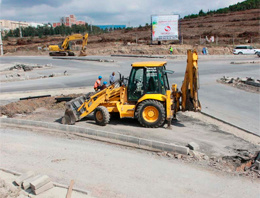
(12, 25)
(69, 21)
(103, 27)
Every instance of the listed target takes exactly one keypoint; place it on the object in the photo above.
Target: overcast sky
(103, 12)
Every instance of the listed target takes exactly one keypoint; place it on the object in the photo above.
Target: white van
(245, 49)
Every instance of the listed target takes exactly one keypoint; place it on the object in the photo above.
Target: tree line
(47, 30)
(245, 5)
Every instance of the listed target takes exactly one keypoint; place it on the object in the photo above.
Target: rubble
(28, 67)
(247, 84)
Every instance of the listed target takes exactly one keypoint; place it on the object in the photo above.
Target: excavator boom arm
(190, 86)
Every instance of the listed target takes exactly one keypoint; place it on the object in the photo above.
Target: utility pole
(1, 43)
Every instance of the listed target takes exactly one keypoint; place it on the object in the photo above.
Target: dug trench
(218, 148)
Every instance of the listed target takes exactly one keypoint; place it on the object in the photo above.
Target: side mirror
(168, 72)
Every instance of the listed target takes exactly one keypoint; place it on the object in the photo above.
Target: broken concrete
(247, 84)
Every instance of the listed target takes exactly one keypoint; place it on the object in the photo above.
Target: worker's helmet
(105, 82)
(99, 77)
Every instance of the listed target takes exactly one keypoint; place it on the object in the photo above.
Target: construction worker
(104, 85)
(171, 49)
(112, 78)
(97, 84)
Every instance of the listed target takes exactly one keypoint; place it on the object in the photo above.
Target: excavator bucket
(83, 53)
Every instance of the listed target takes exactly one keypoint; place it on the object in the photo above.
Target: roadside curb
(84, 59)
(104, 136)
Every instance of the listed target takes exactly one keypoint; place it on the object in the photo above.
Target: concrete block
(193, 146)
(90, 132)
(23, 177)
(257, 164)
(122, 138)
(102, 134)
(158, 145)
(43, 188)
(82, 130)
(61, 127)
(181, 149)
(26, 183)
(70, 128)
(133, 140)
(41, 181)
(146, 143)
(112, 136)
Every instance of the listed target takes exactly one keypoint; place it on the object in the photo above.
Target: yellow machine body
(64, 48)
(151, 109)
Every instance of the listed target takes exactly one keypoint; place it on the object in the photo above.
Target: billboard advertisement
(165, 27)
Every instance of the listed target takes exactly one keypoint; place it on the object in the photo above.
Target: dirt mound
(28, 106)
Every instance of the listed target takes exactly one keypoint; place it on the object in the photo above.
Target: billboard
(165, 27)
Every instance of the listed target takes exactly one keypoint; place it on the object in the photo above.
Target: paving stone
(193, 146)
(26, 183)
(40, 182)
(23, 177)
(43, 188)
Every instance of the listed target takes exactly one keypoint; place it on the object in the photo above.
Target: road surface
(235, 106)
(115, 171)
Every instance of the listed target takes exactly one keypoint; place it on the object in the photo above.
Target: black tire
(101, 116)
(240, 53)
(156, 121)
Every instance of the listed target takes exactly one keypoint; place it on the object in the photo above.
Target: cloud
(135, 12)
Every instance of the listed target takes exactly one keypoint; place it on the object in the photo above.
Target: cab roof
(149, 64)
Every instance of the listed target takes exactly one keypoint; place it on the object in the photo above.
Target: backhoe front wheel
(151, 113)
(101, 115)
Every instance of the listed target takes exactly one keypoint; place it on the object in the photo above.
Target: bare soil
(231, 28)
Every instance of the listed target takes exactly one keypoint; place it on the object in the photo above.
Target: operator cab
(147, 78)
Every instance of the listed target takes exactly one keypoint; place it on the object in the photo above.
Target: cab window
(151, 80)
(135, 85)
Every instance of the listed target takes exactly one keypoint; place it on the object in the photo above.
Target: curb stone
(104, 136)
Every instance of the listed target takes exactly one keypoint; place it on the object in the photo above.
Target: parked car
(245, 49)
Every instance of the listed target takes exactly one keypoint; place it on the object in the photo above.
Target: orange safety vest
(97, 83)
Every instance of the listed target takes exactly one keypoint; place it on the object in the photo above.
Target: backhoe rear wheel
(151, 114)
(101, 115)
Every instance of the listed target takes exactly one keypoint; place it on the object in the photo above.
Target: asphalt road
(235, 106)
(115, 171)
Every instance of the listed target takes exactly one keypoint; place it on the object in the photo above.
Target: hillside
(231, 28)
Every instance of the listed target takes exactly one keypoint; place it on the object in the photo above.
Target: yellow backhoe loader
(147, 96)
(65, 48)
